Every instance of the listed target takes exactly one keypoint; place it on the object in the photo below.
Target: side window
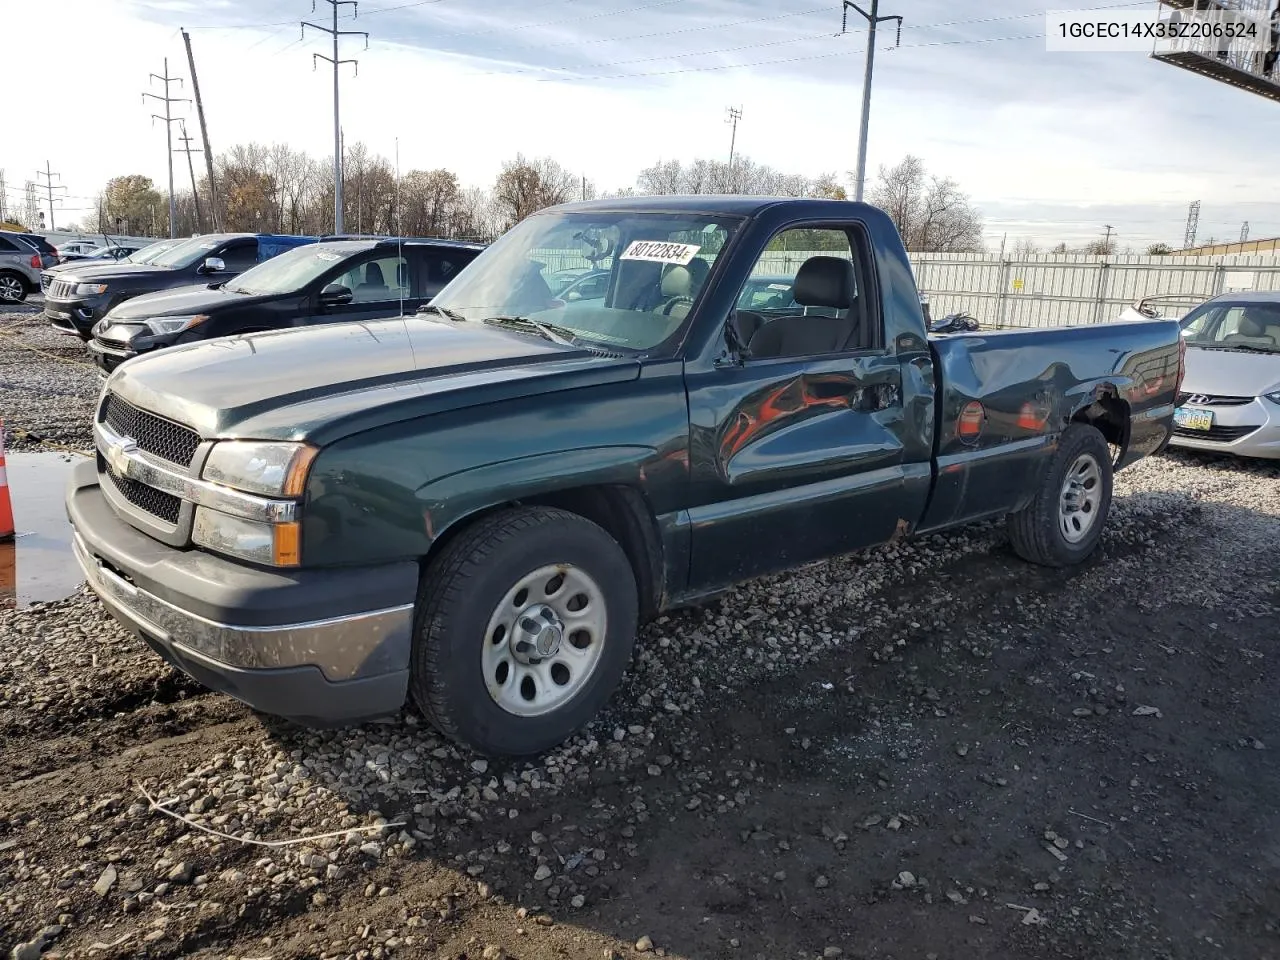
(808, 296)
(240, 256)
(7, 245)
(441, 268)
(374, 281)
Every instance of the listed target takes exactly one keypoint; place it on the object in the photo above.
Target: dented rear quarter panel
(1031, 383)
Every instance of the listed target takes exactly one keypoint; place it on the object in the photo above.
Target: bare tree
(527, 186)
(931, 213)
(1024, 247)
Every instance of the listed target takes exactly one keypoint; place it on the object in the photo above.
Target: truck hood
(177, 302)
(108, 271)
(323, 383)
(1230, 373)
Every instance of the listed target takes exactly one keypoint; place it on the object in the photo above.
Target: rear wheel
(525, 625)
(1063, 523)
(13, 288)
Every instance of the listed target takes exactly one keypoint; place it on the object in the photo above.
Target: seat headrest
(677, 281)
(1249, 327)
(373, 274)
(825, 282)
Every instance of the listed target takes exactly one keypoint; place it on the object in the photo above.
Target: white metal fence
(1049, 290)
(1044, 290)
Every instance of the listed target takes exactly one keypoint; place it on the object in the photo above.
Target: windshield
(1247, 325)
(651, 267)
(152, 250)
(187, 252)
(289, 272)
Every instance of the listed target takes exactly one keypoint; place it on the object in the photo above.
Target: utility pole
(1193, 221)
(4, 204)
(168, 119)
(336, 61)
(214, 215)
(195, 194)
(735, 114)
(48, 175)
(1106, 241)
(873, 19)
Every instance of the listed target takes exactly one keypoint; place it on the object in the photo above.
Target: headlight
(88, 289)
(162, 325)
(273, 544)
(1273, 397)
(272, 469)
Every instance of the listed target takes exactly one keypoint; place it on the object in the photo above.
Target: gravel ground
(927, 750)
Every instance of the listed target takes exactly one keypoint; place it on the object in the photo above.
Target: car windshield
(187, 252)
(1244, 325)
(290, 271)
(652, 266)
(152, 250)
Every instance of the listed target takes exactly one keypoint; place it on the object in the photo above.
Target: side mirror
(212, 265)
(334, 295)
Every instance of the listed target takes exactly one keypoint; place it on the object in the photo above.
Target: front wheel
(525, 625)
(1063, 523)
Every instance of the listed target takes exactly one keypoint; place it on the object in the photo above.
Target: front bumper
(76, 316)
(321, 647)
(108, 357)
(1258, 421)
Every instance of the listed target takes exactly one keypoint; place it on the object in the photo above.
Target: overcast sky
(1050, 146)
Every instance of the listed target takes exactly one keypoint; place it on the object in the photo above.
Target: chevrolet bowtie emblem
(118, 454)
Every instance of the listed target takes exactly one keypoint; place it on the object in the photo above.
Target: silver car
(20, 265)
(1230, 397)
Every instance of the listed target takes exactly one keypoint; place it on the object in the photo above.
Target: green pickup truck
(474, 507)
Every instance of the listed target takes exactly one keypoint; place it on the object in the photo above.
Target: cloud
(1045, 143)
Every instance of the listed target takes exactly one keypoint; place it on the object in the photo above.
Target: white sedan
(1230, 397)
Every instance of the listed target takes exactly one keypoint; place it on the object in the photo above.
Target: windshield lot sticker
(660, 251)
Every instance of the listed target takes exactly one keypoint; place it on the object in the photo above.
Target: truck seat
(822, 281)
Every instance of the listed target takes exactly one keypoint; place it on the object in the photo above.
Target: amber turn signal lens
(295, 481)
(286, 541)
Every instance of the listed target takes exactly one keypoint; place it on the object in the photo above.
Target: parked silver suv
(20, 265)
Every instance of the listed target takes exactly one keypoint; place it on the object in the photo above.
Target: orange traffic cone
(6, 505)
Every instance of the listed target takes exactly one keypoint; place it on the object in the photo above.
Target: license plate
(1188, 418)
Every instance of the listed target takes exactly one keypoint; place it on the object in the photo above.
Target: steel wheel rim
(1081, 498)
(9, 289)
(544, 640)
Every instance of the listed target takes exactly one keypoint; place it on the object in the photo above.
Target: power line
(168, 119)
(703, 28)
(337, 62)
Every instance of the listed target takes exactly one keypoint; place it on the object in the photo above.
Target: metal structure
(1193, 221)
(48, 186)
(1244, 231)
(873, 19)
(168, 119)
(735, 114)
(214, 216)
(1232, 41)
(335, 33)
(195, 194)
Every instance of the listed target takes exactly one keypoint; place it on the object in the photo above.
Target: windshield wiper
(443, 311)
(553, 332)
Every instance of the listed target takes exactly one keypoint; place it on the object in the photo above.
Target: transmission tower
(31, 206)
(49, 187)
(336, 61)
(1193, 221)
(1244, 231)
(168, 119)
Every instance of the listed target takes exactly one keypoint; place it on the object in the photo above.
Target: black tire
(1036, 532)
(463, 587)
(13, 287)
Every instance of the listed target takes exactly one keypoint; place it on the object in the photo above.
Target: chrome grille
(59, 289)
(46, 281)
(157, 436)
(153, 501)
(1211, 400)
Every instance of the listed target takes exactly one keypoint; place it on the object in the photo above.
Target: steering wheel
(666, 308)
